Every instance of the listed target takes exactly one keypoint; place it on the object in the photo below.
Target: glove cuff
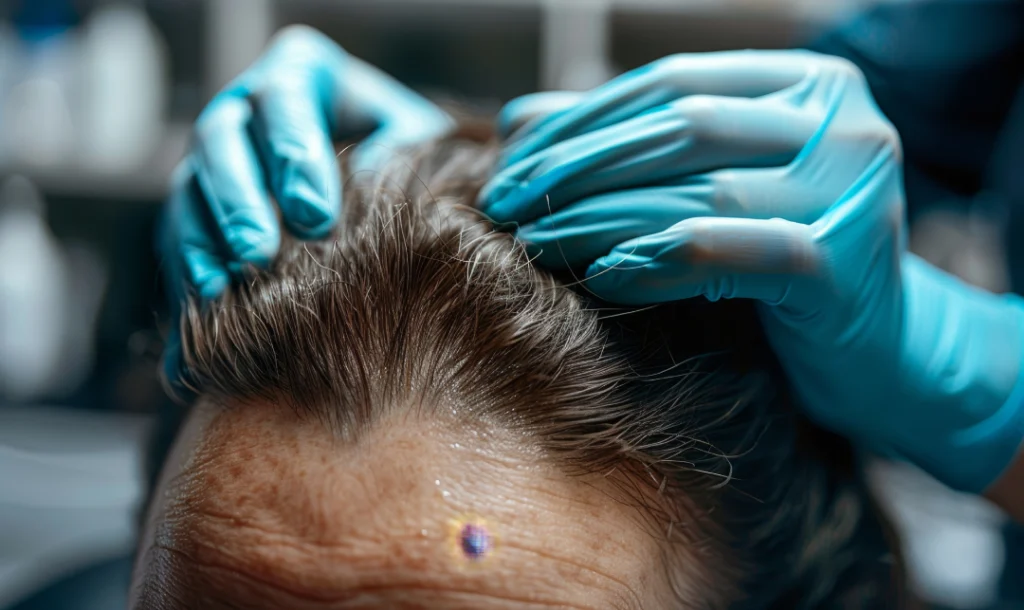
(964, 378)
(978, 454)
(993, 443)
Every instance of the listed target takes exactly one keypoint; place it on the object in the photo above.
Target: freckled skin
(261, 509)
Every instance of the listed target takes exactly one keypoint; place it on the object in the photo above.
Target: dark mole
(475, 541)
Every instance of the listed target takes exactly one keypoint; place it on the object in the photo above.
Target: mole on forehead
(472, 539)
(475, 541)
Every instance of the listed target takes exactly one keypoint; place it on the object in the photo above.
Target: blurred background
(96, 102)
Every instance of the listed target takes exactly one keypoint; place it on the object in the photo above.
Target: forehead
(412, 508)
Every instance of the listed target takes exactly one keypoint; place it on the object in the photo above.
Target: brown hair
(416, 302)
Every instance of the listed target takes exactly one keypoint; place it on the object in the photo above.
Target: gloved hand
(774, 176)
(269, 134)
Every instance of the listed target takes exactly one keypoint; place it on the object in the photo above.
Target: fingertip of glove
(211, 287)
(539, 248)
(500, 203)
(252, 246)
(308, 214)
(511, 154)
(510, 117)
(306, 199)
(496, 213)
(596, 276)
(610, 276)
(522, 148)
(207, 275)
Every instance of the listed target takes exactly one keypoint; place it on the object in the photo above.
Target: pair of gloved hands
(763, 175)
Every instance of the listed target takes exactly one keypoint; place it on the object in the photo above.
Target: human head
(372, 394)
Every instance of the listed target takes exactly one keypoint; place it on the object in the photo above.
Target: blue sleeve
(946, 73)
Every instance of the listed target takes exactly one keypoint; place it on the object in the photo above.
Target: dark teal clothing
(949, 74)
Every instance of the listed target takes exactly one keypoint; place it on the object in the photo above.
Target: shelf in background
(812, 10)
(146, 183)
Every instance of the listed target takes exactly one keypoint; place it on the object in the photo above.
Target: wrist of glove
(939, 382)
(964, 379)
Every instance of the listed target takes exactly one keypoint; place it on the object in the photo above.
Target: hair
(416, 302)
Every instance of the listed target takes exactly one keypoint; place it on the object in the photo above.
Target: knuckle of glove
(299, 39)
(840, 66)
(701, 111)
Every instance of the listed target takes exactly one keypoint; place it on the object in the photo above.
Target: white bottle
(124, 88)
(50, 297)
(8, 64)
(32, 281)
(37, 121)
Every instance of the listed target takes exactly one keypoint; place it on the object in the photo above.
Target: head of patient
(411, 415)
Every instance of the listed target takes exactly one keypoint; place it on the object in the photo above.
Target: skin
(259, 508)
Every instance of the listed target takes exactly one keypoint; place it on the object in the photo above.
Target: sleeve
(946, 73)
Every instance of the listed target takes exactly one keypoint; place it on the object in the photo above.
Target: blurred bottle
(8, 49)
(31, 278)
(92, 96)
(38, 82)
(125, 87)
(48, 301)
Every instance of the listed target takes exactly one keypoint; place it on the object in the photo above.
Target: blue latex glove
(268, 137)
(273, 127)
(773, 176)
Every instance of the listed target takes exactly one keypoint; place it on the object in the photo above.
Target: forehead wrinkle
(258, 503)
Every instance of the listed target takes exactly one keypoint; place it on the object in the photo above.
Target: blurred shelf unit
(802, 9)
(478, 50)
(569, 37)
(146, 183)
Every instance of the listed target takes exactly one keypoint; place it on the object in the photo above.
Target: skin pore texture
(270, 511)
(359, 403)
